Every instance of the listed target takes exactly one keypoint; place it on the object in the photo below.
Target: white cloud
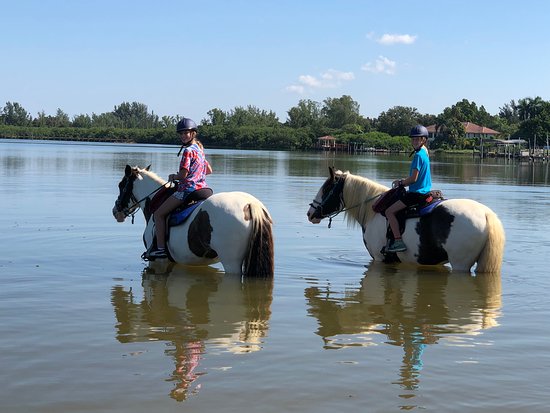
(309, 80)
(337, 76)
(328, 80)
(390, 39)
(380, 65)
(296, 89)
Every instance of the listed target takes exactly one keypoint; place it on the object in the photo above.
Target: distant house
(471, 130)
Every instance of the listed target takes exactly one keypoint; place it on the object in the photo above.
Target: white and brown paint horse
(233, 228)
(461, 232)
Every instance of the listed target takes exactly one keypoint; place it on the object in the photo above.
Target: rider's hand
(396, 183)
(172, 177)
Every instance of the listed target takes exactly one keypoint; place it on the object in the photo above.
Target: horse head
(329, 200)
(126, 204)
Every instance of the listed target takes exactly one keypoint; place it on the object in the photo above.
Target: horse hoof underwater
(461, 232)
(233, 228)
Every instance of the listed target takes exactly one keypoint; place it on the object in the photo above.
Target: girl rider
(419, 182)
(193, 169)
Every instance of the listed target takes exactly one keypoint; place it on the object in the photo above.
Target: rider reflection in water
(419, 182)
(193, 169)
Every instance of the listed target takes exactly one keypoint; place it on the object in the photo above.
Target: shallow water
(86, 326)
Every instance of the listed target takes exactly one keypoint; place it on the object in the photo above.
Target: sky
(188, 57)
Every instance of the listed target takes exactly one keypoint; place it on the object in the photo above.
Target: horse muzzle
(314, 215)
(120, 216)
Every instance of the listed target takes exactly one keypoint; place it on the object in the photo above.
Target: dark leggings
(414, 198)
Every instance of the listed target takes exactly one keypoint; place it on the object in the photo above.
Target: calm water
(86, 327)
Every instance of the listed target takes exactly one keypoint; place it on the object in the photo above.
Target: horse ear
(331, 170)
(148, 167)
(128, 170)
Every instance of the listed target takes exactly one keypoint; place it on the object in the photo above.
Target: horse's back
(232, 208)
(233, 199)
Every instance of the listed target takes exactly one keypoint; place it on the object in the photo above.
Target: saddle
(180, 214)
(433, 199)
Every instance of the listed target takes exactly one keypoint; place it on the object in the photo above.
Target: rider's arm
(181, 175)
(407, 181)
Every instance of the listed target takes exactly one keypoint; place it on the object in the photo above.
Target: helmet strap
(185, 145)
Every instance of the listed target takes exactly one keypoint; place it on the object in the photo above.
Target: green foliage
(254, 137)
(377, 140)
(251, 127)
(338, 112)
(14, 114)
(306, 115)
(398, 120)
(82, 121)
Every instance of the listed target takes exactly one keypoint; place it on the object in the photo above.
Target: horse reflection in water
(197, 311)
(412, 309)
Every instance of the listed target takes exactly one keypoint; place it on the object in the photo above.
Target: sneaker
(160, 253)
(397, 246)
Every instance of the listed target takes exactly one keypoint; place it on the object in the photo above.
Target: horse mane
(359, 194)
(152, 175)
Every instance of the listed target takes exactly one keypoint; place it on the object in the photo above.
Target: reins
(136, 205)
(334, 214)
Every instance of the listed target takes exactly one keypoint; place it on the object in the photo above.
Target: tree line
(254, 128)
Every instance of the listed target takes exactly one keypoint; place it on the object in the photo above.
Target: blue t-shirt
(421, 162)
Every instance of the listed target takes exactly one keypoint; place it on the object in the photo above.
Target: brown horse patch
(247, 212)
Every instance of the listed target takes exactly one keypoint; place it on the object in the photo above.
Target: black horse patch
(433, 231)
(199, 236)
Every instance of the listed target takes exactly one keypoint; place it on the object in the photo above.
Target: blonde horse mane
(359, 194)
(151, 175)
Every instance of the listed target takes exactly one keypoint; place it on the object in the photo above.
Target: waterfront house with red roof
(471, 130)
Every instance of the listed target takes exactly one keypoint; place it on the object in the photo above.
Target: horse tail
(259, 259)
(490, 259)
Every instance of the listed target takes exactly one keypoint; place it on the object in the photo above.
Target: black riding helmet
(186, 124)
(418, 131)
(183, 125)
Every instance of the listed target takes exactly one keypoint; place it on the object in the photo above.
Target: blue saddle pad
(429, 208)
(180, 217)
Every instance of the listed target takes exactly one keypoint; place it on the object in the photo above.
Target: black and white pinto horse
(233, 228)
(461, 232)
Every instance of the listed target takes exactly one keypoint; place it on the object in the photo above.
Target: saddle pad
(178, 218)
(403, 215)
(429, 208)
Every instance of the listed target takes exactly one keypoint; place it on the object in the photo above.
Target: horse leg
(232, 267)
(231, 256)
(463, 249)
(230, 243)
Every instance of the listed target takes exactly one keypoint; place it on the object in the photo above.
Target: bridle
(336, 190)
(126, 195)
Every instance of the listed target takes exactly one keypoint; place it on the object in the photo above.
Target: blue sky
(187, 57)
